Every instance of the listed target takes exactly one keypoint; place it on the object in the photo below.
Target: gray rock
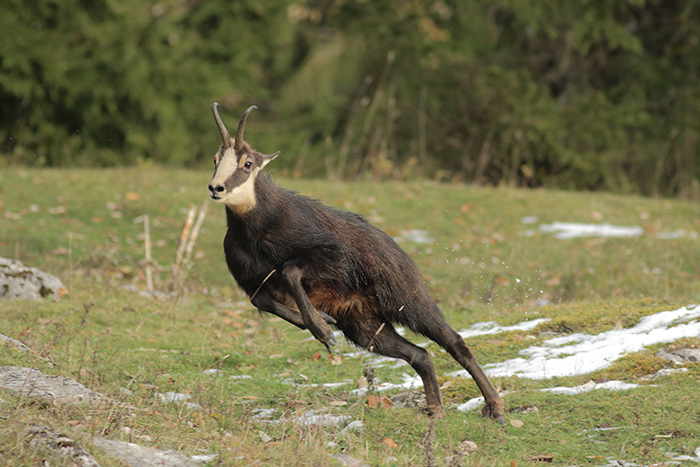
(689, 355)
(681, 355)
(663, 372)
(45, 438)
(347, 461)
(140, 456)
(18, 282)
(33, 383)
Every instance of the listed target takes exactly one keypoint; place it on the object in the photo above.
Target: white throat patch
(242, 197)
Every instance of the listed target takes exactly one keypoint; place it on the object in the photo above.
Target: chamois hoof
(327, 318)
(494, 410)
(330, 344)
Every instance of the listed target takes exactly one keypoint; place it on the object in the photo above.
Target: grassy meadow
(484, 259)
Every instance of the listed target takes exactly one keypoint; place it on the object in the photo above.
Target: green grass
(478, 269)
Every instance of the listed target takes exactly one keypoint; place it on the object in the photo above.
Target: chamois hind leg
(311, 316)
(381, 337)
(264, 302)
(434, 326)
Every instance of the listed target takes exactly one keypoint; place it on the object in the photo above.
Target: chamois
(315, 266)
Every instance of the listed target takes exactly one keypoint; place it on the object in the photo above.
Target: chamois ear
(267, 158)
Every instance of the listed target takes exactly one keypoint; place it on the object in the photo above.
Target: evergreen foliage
(576, 94)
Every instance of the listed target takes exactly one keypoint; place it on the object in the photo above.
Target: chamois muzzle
(214, 191)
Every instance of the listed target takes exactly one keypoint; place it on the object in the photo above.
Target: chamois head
(236, 166)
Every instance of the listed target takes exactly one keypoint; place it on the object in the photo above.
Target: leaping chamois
(315, 266)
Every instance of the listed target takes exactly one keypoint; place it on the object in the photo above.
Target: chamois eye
(248, 164)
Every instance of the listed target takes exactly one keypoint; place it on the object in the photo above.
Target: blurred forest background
(574, 94)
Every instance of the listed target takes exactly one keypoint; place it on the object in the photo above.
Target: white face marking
(227, 166)
(242, 196)
(233, 184)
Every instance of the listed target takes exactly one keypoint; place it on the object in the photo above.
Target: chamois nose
(215, 189)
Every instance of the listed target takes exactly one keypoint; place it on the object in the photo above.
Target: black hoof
(328, 319)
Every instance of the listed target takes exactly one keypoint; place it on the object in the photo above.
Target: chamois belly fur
(339, 307)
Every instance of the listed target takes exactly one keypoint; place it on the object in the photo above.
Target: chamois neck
(268, 205)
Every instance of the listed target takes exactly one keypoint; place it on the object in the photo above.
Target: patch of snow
(566, 230)
(204, 458)
(409, 382)
(471, 404)
(178, 397)
(414, 235)
(481, 329)
(591, 386)
(240, 377)
(580, 353)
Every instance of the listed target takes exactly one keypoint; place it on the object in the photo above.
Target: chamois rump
(315, 266)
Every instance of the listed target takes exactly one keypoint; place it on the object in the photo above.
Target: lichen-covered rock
(18, 282)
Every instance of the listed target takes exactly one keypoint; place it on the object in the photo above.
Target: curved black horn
(222, 129)
(238, 140)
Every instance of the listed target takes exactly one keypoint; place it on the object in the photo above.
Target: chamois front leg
(264, 302)
(312, 318)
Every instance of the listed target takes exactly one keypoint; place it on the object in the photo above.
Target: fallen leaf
(378, 401)
(316, 357)
(336, 359)
(446, 385)
(390, 443)
(264, 437)
(362, 382)
(339, 403)
(372, 401)
(517, 423)
(466, 207)
(131, 196)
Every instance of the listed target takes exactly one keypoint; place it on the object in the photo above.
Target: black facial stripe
(238, 178)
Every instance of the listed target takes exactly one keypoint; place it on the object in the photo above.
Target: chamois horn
(222, 128)
(238, 140)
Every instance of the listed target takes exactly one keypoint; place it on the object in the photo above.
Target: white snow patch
(240, 377)
(579, 353)
(178, 397)
(481, 329)
(202, 458)
(565, 230)
(591, 386)
(409, 382)
(568, 230)
(414, 235)
(475, 403)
